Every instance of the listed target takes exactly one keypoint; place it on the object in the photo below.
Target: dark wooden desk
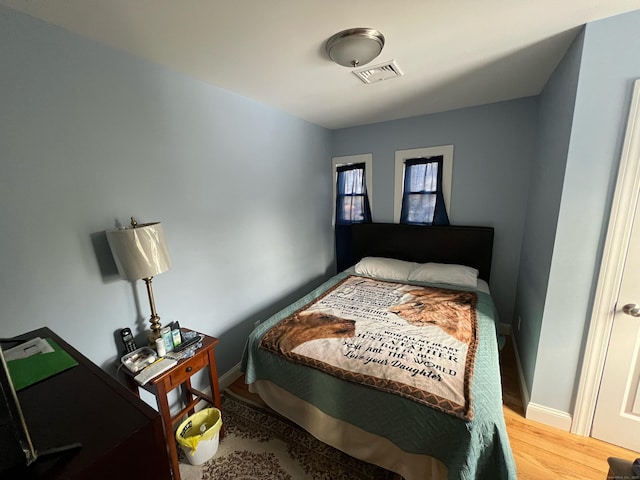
(121, 436)
(180, 376)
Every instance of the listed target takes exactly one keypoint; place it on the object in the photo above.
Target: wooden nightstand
(180, 376)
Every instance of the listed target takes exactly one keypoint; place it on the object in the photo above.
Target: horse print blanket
(414, 341)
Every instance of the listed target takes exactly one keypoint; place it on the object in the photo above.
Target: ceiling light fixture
(355, 47)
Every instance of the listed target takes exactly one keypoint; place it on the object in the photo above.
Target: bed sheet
(475, 449)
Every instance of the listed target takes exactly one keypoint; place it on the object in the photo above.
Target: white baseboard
(533, 411)
(229, 377)
(548, 416)
(524, 391)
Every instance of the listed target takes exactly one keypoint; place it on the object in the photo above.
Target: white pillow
(445, 273)
(387, 268)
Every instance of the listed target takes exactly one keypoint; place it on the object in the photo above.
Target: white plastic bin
(199, 434)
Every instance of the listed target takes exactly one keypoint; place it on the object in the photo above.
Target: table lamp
(140, 253)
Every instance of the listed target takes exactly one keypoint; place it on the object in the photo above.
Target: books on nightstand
(154, 370)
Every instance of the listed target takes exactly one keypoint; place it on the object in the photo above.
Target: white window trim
(447, 174)
(367, 159)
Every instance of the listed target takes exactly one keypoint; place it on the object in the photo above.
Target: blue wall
(493, 153)
(90, 136)
(609, 65)
(557, 103)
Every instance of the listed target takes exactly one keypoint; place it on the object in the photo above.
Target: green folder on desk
(30, 370)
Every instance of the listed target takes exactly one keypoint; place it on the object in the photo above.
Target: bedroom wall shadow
(227, 352)
(104, 258)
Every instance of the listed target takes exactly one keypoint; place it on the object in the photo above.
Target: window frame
(367, 159)
(446, 151)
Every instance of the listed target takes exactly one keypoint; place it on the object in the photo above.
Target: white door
(617, 413)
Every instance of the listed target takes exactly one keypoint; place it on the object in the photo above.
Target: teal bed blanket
(471, 449)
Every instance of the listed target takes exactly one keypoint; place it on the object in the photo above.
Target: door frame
(611, 269)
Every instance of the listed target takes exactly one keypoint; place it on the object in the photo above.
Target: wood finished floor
(541, 452)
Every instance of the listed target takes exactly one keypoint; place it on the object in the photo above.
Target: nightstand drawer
(186, 369)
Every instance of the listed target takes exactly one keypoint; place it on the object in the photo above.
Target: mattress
(414, 440)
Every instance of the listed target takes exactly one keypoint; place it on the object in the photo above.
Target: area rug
(259, 444)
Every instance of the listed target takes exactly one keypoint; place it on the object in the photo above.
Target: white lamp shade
(139, 252)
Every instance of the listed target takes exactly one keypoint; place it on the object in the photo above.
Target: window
(352, 177)
(422, 199)
(352, 205)
(352, 189)
(416, 183)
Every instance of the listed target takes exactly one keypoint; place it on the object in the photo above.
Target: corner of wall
(230, 376)
(524, 391)
(533, 411)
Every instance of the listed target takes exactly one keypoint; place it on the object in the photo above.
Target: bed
(457, 434)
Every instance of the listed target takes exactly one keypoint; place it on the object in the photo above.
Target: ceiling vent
(377, 73)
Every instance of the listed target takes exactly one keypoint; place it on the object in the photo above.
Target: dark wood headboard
(471, 246)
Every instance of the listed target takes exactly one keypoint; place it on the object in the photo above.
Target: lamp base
(155, 332)
(152, 337)
(155, 319)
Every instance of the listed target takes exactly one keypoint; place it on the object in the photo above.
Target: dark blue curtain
(352, 206)
(422, 198)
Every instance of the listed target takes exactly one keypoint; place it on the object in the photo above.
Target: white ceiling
(453, 53)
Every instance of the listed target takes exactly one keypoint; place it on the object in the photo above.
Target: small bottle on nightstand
(160, 348)
(168, 339)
